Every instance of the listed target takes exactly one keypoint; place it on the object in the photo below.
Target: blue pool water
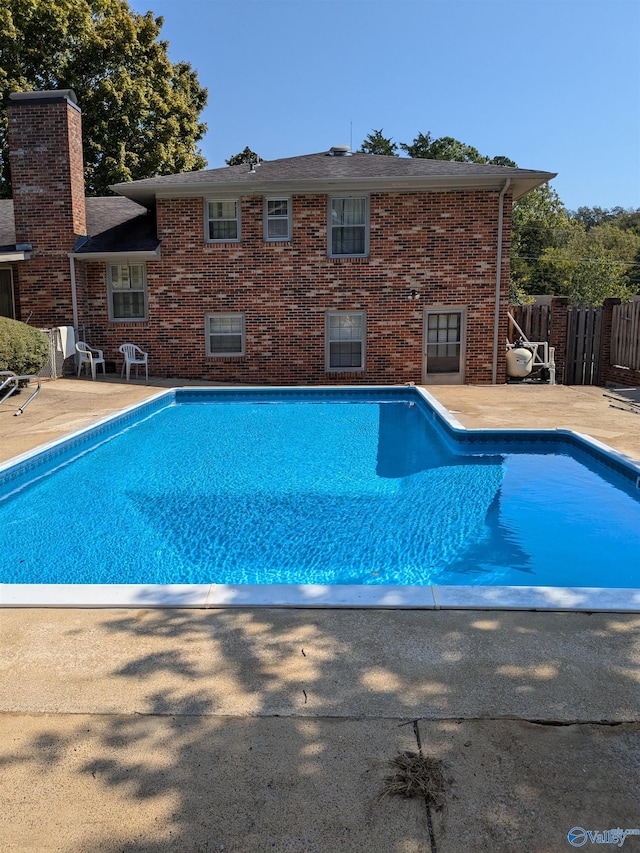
(327, 489)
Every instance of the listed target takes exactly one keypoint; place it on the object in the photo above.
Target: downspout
(74, 295)
(496, 310)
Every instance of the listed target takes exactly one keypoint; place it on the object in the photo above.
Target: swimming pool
(325, 497)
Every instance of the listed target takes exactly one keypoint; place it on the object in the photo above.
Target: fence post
(558, 334)
(607, 325)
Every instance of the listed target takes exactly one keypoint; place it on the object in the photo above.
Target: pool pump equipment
(525, 357)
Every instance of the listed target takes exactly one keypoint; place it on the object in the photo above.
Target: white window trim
(207, 220)
(333, 198)
(267, 218)
(207, 334)
(363, 340)
(111, 291)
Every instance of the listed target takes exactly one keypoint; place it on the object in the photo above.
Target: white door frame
(454, 377)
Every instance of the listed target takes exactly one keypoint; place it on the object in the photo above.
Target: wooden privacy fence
(534, 320)
(584, 346)
(625, 335)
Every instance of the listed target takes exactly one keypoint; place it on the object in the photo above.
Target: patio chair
(89, 357)
(134, 355)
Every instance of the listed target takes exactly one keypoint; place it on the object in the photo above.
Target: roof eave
(521, 184)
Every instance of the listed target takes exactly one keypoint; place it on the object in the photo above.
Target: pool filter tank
(519, 362)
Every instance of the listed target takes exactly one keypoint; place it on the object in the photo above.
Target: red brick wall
(558, 334)
(45, 140)
(612, 374)
(441, 244)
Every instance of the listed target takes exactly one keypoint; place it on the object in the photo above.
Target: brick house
(321, 269)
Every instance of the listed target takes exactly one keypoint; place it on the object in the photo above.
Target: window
(345, 340)
(225, 334)
(127, 292)
(277, 219)
(223, 221)
(348, 226)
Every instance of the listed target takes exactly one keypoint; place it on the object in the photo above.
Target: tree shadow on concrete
(262, 729)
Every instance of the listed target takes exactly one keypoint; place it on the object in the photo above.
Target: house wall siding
(443, 245)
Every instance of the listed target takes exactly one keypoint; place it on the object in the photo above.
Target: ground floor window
(225, 334)
(127, 291)
(345, 340)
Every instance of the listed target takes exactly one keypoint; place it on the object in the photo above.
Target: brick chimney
(47, 172)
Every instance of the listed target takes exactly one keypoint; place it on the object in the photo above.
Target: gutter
(119, 257)
(496, 310)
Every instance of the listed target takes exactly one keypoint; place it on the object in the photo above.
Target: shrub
(23, 349)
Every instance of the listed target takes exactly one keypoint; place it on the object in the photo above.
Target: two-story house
(326, 268)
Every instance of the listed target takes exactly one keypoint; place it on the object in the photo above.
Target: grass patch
(416, 775)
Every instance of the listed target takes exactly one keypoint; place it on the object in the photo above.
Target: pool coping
(211, 596)
(214, 596)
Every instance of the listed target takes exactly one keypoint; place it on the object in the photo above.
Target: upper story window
(277, 219)
(348, 226)
(223, 221)
(127, 291)
(225, 334)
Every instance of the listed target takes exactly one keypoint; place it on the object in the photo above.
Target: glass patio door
(444, 346)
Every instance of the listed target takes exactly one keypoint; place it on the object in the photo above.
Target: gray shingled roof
(114, 224)
(325, 171)
(108, 211)
(118, 227)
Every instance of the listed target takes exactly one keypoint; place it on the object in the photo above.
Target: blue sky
(552, 84)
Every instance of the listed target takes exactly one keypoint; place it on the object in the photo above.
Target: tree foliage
(619, 217)
(539, 222)
(376, 143)
(247, 156)
(140, 112)
(557, 252)
(448, 148)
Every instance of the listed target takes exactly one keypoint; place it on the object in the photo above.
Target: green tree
(589, 265)
(539, 222)
(448, 148)
(246, 156)
(140, 112)
(619, 217)
(376, 143)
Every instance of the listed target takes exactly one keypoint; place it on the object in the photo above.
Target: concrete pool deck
(266, 729)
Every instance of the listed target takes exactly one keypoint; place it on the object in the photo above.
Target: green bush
(23, 349)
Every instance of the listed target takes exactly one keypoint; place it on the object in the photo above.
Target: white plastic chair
(134, 355)
(89, 356)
